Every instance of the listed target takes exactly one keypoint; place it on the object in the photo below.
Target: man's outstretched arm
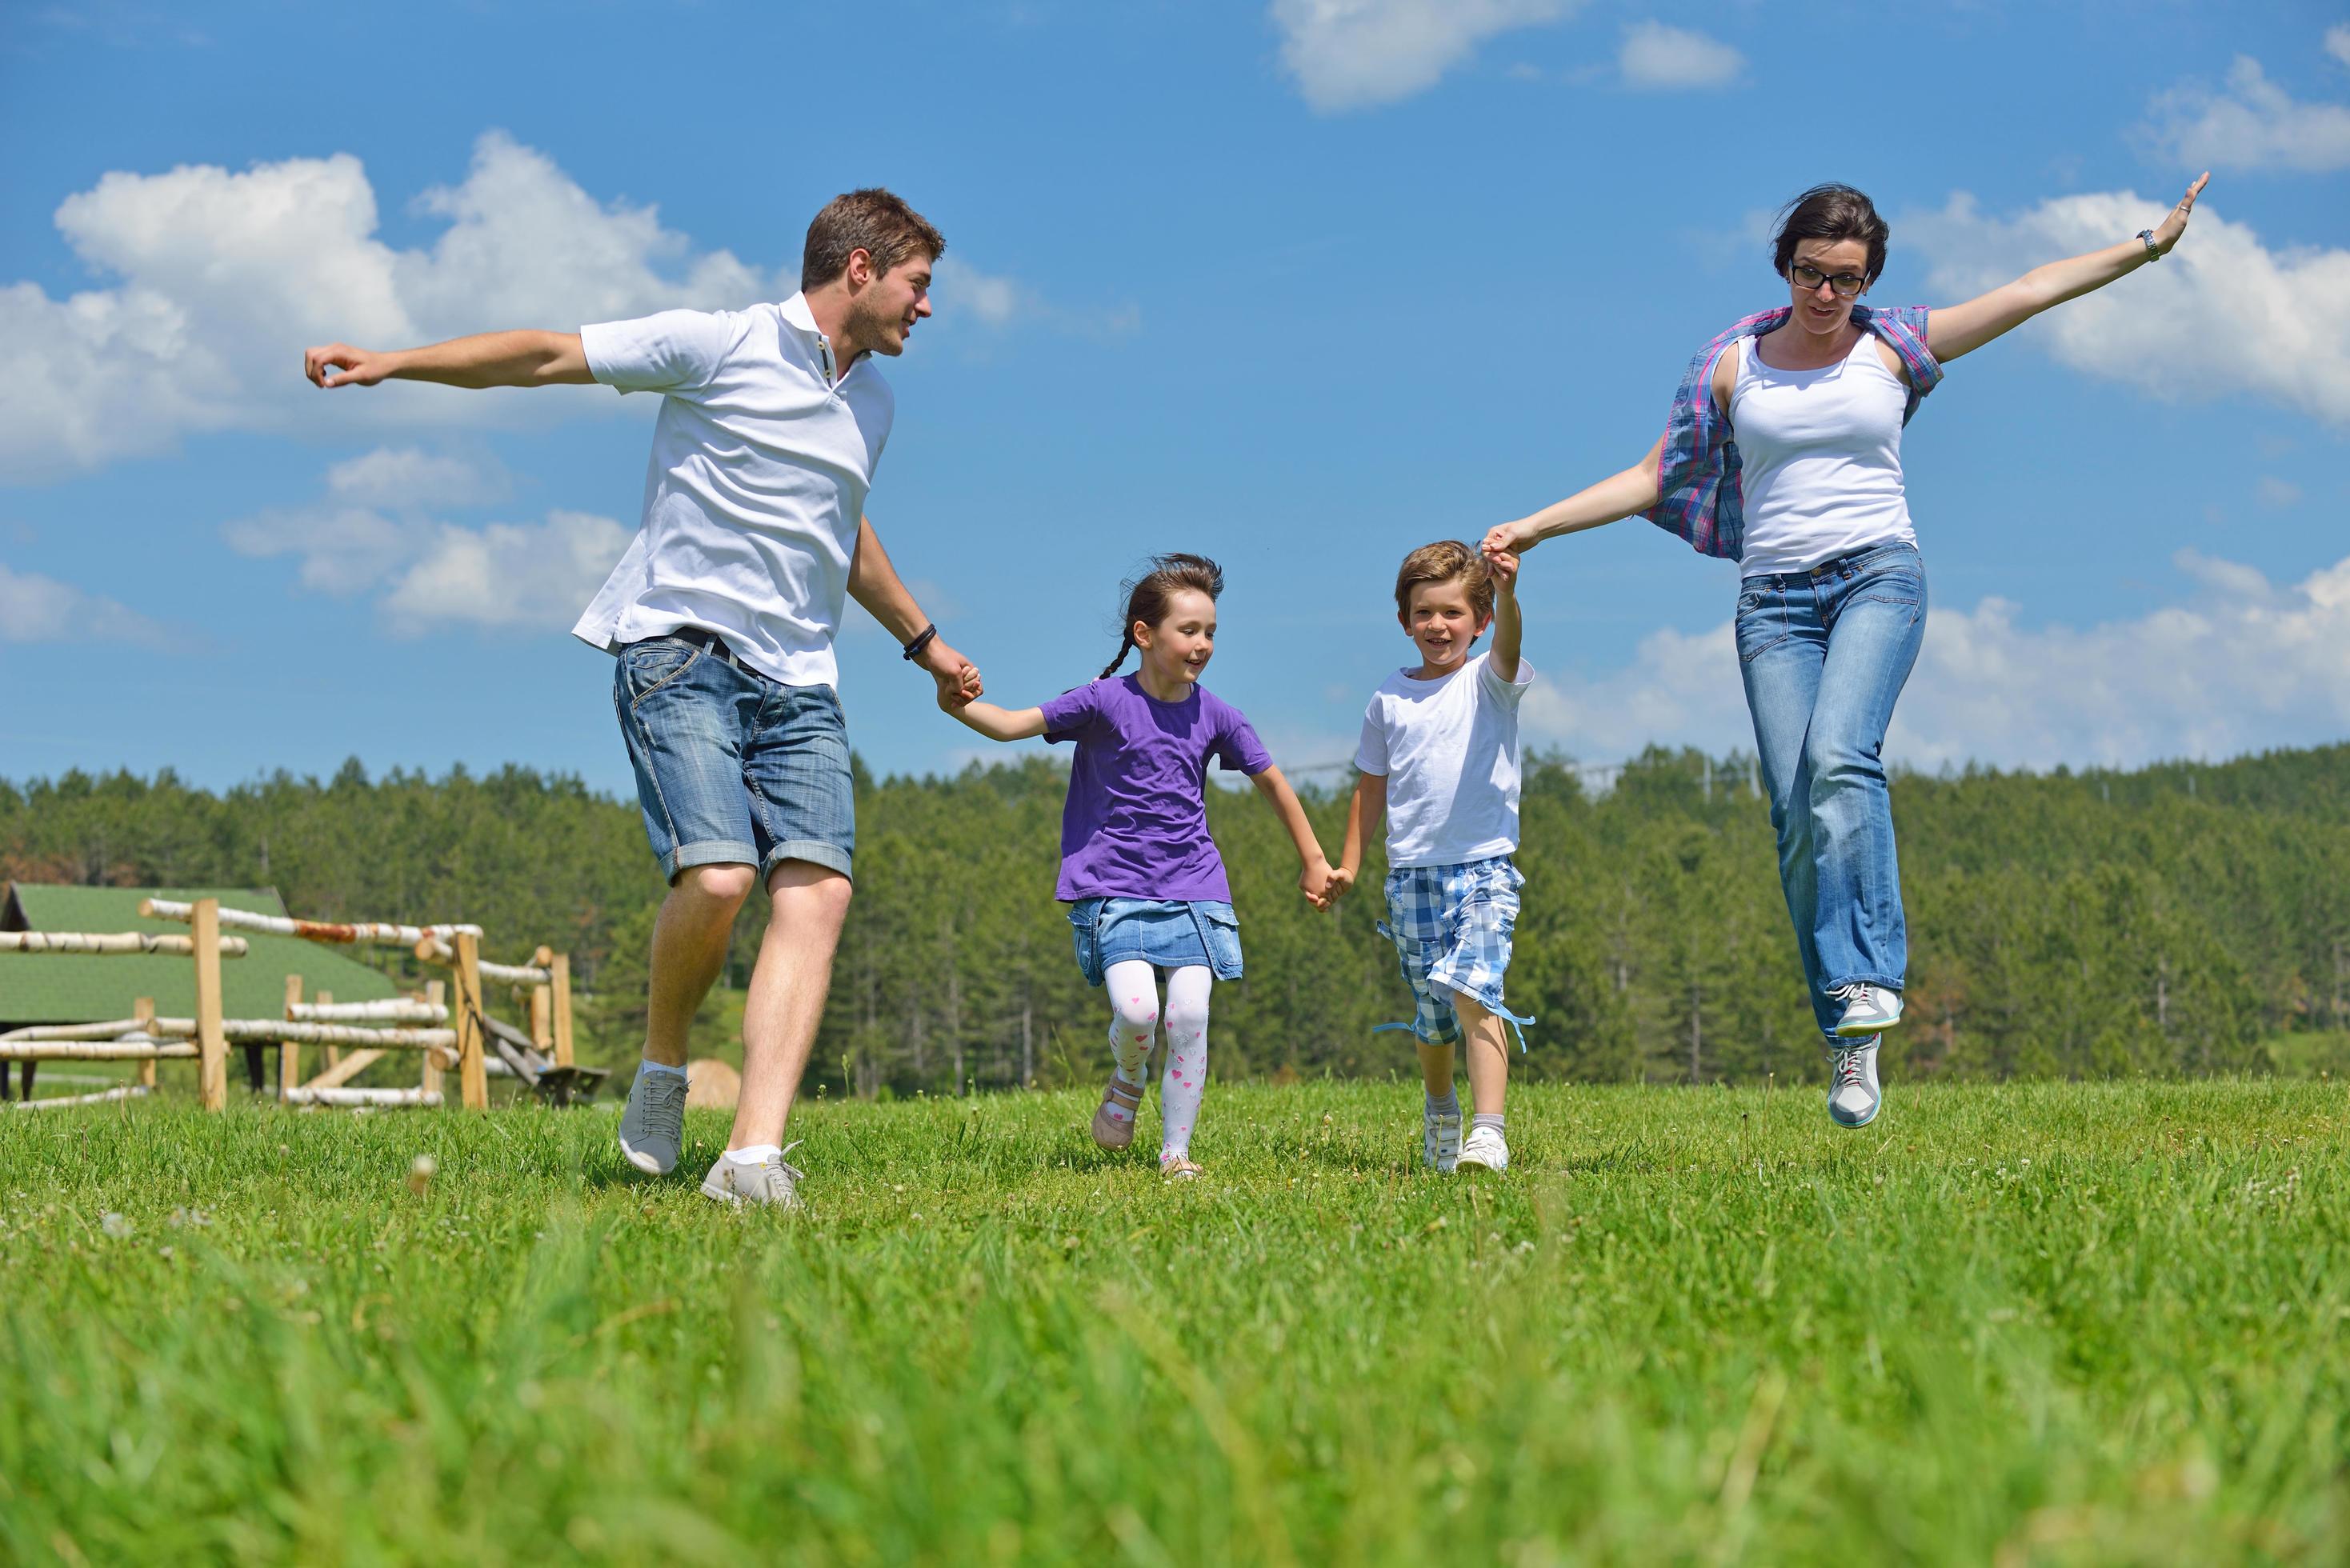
(520, 359)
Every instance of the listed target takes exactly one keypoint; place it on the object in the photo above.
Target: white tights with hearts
(1135, 1016)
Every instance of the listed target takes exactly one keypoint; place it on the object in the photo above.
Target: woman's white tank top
(1819, 459)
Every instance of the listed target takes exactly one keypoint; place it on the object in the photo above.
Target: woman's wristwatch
(2153, 251)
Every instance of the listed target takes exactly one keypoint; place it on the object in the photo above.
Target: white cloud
(225, 278)
(2221, 313)
(2239, 665)
(2337, 42)
(997, 302)
(2279, 492)
(39, 609)
(1357, 54)
(2253, 123)
(404, 476)
(535, 576)
(375, 533)
(1656, 55)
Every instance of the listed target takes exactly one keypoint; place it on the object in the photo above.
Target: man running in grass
(722, 613)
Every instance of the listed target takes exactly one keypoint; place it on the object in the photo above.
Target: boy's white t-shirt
(760, 467)
(1449, 750)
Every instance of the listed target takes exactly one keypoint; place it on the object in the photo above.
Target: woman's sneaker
(1867, 1008)
(1854, 1095)
(771, 1182)
(652, 1129)
(1484, 1149)
(1440, 1140)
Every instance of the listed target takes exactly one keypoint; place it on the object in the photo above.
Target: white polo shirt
(760, 467)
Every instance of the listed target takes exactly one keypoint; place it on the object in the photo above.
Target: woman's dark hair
(1830, 212)
(1147, 596)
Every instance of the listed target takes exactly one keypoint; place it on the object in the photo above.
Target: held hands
(1313, 881)
(958, 677)
(2167, 233)
(1503, 564)
(1336, 885)
(1507, 539)
(357, 366)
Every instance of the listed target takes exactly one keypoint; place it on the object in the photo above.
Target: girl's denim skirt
(1170, 933)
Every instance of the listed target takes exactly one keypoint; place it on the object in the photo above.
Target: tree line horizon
(2179, 917)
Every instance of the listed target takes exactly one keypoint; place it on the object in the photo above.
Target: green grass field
(2011, 1324)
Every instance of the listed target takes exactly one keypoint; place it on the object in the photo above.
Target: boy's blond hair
(1442, 563)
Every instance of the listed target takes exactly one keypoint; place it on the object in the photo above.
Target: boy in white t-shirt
(1438, 758)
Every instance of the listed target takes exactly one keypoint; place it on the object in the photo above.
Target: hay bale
(711, 1085)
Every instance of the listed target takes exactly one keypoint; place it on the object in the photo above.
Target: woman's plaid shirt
(1697, 495)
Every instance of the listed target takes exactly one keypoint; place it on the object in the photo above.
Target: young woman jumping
(1784, 453)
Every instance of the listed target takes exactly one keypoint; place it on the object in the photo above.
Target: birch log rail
(386, 934)
(88, 943)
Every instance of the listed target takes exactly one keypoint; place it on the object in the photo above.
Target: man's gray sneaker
(1867, 1008)
(770, 1181)
(1853, 1093)
(652, 1129)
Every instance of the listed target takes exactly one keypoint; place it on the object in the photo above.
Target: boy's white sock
(757, 1154)
(649, 1065)
(1482, 1121)
(1450, 1105)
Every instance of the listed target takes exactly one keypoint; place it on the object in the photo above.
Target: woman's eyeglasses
(1809, 278)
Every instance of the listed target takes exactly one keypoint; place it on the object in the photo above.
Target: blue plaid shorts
(1453, 928)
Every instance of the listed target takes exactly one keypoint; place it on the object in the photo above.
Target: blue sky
(1299, 285)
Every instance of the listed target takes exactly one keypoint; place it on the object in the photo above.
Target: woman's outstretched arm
(1963, 328)
(1616, 496)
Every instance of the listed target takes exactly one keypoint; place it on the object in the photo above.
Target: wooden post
(142, 1010)
(430, 1082)
(289, 1055)
(334, 1052)
(562, 990)
(212, 1045)
(465, 1007)
(541, 1021)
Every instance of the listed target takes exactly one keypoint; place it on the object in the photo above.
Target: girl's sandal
(1116, 1132)
(1178, 1169)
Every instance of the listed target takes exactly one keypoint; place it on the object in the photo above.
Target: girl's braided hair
(1147, 596)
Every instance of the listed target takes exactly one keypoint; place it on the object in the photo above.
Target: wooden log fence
(448, 1034)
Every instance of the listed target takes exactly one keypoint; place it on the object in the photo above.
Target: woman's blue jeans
(1824, 654)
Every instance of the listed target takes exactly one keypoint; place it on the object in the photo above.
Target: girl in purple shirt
(1145, 886)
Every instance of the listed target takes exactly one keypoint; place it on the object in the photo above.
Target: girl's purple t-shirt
(1136, 825)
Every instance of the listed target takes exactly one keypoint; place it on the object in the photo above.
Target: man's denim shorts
(732, 767)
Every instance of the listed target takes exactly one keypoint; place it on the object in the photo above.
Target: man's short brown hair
(1442, 563)
(872, 221)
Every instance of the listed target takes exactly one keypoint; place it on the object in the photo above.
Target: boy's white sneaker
(1867, 1008)
(1440, 1140)
(1484, 1149)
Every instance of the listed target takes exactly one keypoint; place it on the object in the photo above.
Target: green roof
(45, 988)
